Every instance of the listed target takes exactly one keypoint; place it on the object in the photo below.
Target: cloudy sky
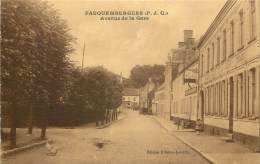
(120, 45)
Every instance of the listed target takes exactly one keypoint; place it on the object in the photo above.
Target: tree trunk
(114, 114)
(13, 126)
(97, 118)
(43, 132)
(30, 126)
(102, 118)
(107, 116)
(113, 117)
(110, 116)
(43, 125)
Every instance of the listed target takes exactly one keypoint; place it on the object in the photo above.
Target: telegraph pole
(83, 55)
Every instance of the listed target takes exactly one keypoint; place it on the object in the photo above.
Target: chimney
(187, 34)
(180, 44)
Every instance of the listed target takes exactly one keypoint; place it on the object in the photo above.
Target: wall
(229, 89)
(184, 102)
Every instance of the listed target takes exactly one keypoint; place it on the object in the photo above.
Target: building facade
(184, 84)
(184, 103)
(162, 96)
(130, 98)
(229, 72)
(177, 62)
(145, 94)
(159, 102)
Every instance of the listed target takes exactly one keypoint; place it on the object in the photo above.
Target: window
(241, 38)
(232, 38)
(218, 50)
(224, 45)
(208, 60)
(213, 55)
(252, 19)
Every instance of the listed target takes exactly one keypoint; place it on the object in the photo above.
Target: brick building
(229, 72)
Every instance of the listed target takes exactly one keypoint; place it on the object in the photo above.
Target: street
(134, 139)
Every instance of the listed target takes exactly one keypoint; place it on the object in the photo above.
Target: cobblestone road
(136, 139)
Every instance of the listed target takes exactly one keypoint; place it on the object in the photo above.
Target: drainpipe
(200, 100)
(171, 100)
(258, 67)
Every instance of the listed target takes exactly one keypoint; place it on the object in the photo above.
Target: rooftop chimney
(187, 34)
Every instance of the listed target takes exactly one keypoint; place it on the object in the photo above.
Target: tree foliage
(36, 72)
(92, 92)
(97, 89)
(34, 54)
(140, 75)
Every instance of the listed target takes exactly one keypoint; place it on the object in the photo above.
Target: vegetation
(91, 95)
(39, 84)
(140, 75)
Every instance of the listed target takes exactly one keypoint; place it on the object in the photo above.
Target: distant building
(177, 62)
(146, 95)
(158, 102)
(229, 76)
(162, 95)
(184, 86)
(130, 98)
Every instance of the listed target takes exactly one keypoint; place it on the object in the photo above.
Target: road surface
(136, 139)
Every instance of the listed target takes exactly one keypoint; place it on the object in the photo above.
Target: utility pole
(83, 55)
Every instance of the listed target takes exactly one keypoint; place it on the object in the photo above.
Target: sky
(119, 45)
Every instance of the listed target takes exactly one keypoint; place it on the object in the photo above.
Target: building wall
(184, 102)
(130, 101)
(159, 103)
(162, 99)
(143, 93)
(230, 69)
(134, 99)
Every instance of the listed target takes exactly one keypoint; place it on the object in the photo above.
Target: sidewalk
(24, 141)
(212, 148)
(22, 137)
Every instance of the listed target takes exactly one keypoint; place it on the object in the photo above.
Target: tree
(91, 93)
(140, 74)
(105, 90)
(34, 60)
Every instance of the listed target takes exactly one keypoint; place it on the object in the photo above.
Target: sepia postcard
(130, 81)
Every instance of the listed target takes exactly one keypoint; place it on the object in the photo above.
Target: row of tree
(39, 84)
(92, 96)
(141, 73)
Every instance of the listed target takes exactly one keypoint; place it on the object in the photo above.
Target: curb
(20, 149)
(205, 156)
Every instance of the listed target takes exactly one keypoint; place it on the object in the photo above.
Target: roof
(130, 92)
(222, 13)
